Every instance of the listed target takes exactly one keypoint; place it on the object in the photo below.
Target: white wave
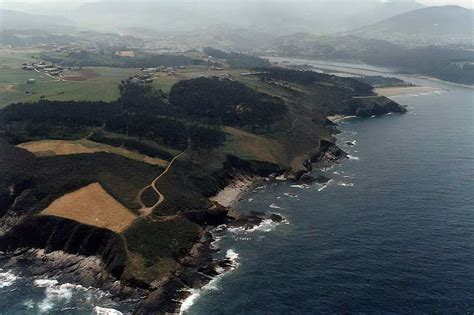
(7, 279)
(44, 283)
(29, 304)
(274, 206)
(322, 187)
(250, 199)
(233, 256)
(346, 184)
(106, 311)
(56, 293)
(303, 186)
(267, 225)
(350, 157)
(212, 285)
(291, 195)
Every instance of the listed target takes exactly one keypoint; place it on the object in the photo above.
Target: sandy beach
(339, 118)
(231, 193)
(394, 91)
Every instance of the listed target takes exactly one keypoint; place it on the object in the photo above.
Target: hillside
(450, 64)
(18, 20)
(443, 24)
(263, 18)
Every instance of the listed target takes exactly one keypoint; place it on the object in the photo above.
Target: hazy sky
(464, 3)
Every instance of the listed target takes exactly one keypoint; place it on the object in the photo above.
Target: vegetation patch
(248, 145)
(157, 239)
(64, 147)
(92, 205)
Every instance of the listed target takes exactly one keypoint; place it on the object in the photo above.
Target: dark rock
(276, 217)
(321, 179)
(216, 215)
(59, 234)
(306, 179)
(259, 168)
(247, 222)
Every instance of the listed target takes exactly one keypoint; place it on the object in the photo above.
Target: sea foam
(7, 278)
(233, 256)
(105, 311)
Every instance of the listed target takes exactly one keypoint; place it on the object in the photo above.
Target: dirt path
(10, 88)
(145, 211)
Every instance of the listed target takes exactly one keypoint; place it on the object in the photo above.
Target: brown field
(254, 146)
(92, 205)
(10, 87)
(64, 147)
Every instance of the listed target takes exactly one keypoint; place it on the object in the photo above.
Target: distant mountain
(275, 17)
(434, 25)
(10, 19)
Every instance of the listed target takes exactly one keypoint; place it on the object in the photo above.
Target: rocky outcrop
(58, 234)
(372, 106)
(214, 216)
(256, 168)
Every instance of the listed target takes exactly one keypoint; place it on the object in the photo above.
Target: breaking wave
(233, 256)
(7, 278)
(354, 158)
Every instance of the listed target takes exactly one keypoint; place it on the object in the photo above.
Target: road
(145, 211)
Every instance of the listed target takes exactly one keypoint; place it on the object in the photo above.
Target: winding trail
(145, 211)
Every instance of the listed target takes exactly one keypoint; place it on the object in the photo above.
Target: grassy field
(88, 83)
(254, 147)
(92, 205)
(15, 57)
(64, 147)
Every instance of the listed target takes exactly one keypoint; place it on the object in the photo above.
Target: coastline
(402, 90)
(338, 118)
(231, 193)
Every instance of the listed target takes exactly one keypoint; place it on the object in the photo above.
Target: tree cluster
(225, 102)
(237, 60)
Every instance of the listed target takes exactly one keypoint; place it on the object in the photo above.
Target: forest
(109, 59)
(237, 60)
(312, 77)
(225, 102)
(192, 117)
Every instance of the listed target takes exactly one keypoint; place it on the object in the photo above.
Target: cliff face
(57, 234)
(371, 106)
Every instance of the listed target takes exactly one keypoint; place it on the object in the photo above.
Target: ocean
(393, 231)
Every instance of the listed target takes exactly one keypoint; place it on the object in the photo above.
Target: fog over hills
(19, 20)
(276, 17)
(424, 26)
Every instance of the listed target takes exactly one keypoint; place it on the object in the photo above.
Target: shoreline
(231, 193)
(339, 118)
(403, 90)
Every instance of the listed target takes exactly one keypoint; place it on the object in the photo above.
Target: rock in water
(276, 218)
